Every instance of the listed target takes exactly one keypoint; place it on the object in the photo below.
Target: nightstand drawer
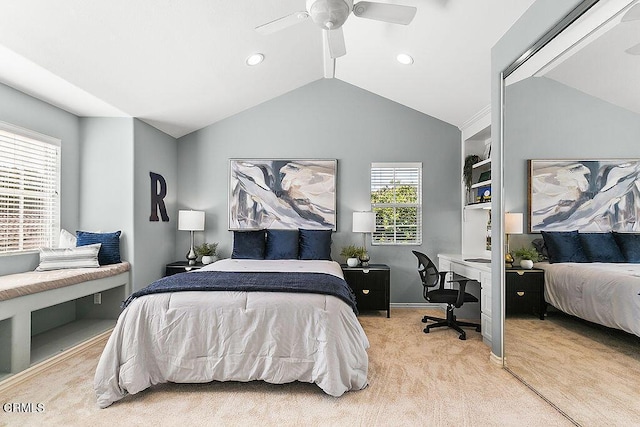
(370, 298)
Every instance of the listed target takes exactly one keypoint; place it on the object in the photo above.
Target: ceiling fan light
(329, 14)
(254, 59)
(404, 59)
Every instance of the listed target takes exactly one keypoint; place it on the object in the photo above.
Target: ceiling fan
(330, 15)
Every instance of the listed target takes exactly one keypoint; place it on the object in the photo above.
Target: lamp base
(191, 257)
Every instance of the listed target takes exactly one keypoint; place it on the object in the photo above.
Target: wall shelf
(483, 205)
(481, 163)
(481, 184)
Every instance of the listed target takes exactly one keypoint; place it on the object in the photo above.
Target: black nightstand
(371, 286)
(180, 267)
(524, 292)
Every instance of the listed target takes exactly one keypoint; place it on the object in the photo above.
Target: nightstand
(181, 267)
(371, 286)
(524, 292)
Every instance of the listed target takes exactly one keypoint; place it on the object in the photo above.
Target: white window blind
(396, 198)
(29, 189)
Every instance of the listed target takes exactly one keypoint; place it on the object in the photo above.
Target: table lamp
(512, 225)
(364, 222)
(191, 221)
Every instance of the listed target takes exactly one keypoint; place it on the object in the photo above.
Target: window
(29, 183)
(396, 198)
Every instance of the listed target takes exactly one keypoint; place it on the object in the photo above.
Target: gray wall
(22, 110)
(155, 242)
(331, 119)
(532, 25)
(106, 193)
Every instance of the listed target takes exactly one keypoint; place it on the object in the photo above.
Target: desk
(471, 266)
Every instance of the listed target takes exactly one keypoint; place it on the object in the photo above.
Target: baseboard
(495, 359)
(36, 369)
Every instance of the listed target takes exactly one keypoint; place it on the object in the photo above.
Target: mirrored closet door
(577, 97)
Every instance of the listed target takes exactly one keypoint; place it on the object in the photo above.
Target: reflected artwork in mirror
(581, 101)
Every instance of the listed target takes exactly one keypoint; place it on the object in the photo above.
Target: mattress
(607, 294)
(204, 336)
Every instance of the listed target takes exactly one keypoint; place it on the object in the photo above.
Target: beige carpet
(415, 379)
(590, 372)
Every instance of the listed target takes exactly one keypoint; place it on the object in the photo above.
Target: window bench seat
(45, 312)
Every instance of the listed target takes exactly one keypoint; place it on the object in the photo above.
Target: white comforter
(607, 294)
(198, 337)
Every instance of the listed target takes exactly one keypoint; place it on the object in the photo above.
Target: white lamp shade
(364, 222)
(191, 220)
(513, 223)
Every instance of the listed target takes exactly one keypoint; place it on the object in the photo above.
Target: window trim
(418, 205)
(57, 143)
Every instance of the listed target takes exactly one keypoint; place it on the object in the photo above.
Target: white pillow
(59, 258)
(67, 240)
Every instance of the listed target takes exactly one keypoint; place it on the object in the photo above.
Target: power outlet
(97, 298)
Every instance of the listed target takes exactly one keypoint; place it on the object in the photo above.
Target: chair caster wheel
(426, 330)
(462, 337)
(424, 319)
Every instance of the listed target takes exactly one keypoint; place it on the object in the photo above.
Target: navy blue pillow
(109, 251)
(248, 245)
(564, 246)
(629, 244)
(601, 247)
(315, 244)
(282, 244)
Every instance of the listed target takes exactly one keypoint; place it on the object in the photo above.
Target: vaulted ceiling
(180, 65)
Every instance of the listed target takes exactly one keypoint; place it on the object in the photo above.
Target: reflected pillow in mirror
(564, 246)
(601, 247)
(629, 244)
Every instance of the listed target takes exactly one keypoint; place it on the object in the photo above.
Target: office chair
(454, 298)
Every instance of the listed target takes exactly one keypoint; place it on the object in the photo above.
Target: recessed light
(254, 59)
(404, 59)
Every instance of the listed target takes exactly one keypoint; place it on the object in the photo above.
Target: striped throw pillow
(59, 258)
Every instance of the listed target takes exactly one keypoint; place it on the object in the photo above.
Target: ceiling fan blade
(634, 50)
(335, 41)
(282, 23)
(394, 13)
(632, 14)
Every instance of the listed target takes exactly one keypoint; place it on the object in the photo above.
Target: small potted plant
(352, 253)
(208, 252)
(527, 257)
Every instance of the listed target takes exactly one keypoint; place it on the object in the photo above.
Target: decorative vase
(526, 264)
(352, 262)
(364, 259)
(208, 259)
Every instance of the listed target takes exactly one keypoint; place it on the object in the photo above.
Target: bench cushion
(31, 282)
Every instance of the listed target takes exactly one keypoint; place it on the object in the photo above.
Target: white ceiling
(600, 67)
(179, 64)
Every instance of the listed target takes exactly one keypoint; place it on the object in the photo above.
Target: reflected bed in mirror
(578, 96)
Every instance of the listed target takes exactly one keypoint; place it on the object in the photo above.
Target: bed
(200, 336)
(604, 293)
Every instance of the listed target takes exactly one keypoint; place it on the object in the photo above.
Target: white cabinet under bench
(44, 313)
(479, 269)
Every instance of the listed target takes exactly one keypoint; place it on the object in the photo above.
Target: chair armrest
(461, 289)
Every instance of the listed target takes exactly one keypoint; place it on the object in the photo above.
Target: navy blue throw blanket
(314, 283)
